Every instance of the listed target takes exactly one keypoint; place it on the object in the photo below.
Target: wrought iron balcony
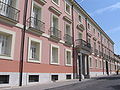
(68, 39)
(9, 12)
(36, 25)
(55, 34)
(81, 44)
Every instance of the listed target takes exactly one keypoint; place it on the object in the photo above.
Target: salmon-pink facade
(61, 42)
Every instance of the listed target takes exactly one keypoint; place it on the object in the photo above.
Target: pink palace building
(47, 40)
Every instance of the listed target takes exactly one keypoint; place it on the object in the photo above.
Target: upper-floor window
(98, 34)
(68, 30)
(67, 8)
(55, 21)
(79, 35)
(80, 18)
(88, 26)
(36, 16)
(90, 61)
(57, 2)
(94, 31)
(96, 63)
(89, 40)
(8, 9)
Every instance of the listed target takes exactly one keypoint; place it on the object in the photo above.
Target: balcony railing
(83, 45)
(36, 25)
(9, 11)
(55, 33)
(68, 39)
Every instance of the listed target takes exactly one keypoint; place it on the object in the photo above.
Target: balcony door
(55, 26)
(36, 16)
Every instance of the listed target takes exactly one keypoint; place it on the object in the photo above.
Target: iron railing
(68, 39)
(55, 33)
(83, 44)
(36, 24)
(9, 11)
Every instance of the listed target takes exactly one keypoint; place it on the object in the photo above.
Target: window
(67, 8)
(79, 35)
(54, 77)
(34, 53)
(57, 2)
(94, 31)
(4, 79)
(68, 57)
(90, 62)
(6, 8)
(68, 76)
(54, 54)
(96, 63)
(88, 26)
(89, 40)
(33, 78)
(36, 16)
(98, 34)
(7, 41)
(68, 30)
(100, 64)
(80, 19)
(55, 21)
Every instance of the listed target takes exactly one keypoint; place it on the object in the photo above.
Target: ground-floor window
(33, 78)
(4, 79)
(68, 76)
(54, 77)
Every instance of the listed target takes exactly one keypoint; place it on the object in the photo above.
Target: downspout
(88, 71)
(74, 62)
(102, 53)
(22, 43)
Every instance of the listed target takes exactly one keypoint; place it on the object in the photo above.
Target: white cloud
(114, 30)
(81, 1)
(109, 8)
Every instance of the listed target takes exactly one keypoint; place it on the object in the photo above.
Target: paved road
(102, 83)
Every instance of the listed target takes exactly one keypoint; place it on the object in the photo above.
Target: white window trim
(34, 3)
(66, 57)
(12, 44)
(56, 3)
(29, 45)
(91, 62)
(65, 8)
(58, 54)
(70, 28)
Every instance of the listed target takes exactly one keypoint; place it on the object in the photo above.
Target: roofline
(91, 19)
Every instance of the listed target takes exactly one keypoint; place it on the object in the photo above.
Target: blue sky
(107, 14)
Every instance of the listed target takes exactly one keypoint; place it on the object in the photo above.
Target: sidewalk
(47, 85)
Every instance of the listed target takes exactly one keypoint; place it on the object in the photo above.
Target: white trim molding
(40, 49)
(9, 32)
(55, 46)
(67, 50)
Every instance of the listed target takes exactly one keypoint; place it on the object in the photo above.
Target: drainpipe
(102, 53)
(88, 71)
(22, 43)
(74, 62)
